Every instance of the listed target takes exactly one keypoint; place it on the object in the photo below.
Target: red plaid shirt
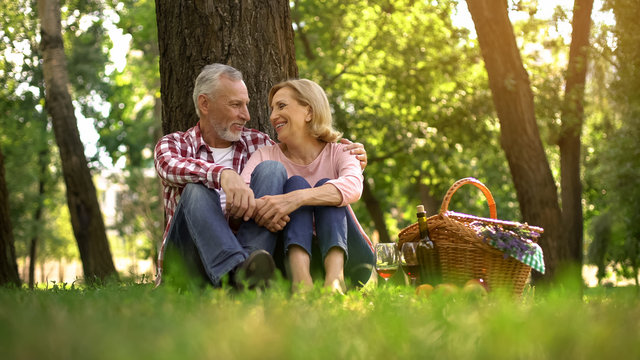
(184, 157)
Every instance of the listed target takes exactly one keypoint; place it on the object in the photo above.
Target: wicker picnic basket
(464, 255)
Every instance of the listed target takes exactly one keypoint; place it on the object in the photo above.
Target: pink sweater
(333, 163)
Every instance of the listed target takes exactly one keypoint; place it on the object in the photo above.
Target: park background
(406, 78)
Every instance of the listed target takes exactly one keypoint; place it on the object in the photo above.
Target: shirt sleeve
(176, 168)
(349, 181)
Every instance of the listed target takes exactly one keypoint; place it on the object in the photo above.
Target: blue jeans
(200, 234)
(335, 227)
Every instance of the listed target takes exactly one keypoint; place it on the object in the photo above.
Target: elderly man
(204, 193)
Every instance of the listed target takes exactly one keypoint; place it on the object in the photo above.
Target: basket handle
(458, 184)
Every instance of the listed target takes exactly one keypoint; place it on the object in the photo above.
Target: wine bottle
(430, 272)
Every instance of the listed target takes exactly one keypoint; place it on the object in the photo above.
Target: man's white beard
(225, 133)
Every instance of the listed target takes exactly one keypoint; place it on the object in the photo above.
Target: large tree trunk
(8, 264)
(572, 119)
(520, 139)
(86, 218)
(255, 37)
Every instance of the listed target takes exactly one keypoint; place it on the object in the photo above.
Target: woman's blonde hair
(308, 93)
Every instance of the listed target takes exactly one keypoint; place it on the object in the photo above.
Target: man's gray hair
(208, 80)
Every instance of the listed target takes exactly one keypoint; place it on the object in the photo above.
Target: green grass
(384, 322)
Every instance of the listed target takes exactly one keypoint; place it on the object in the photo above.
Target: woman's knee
(321, 182)
(268, 178)
(269, 170)
(296, 183)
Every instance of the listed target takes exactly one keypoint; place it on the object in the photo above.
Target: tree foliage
(133, 128)
(26, 135)
(36, 198)
(134, 121)
(615, 156)
(410, 85)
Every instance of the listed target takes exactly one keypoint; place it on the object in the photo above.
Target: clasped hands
(271, 212)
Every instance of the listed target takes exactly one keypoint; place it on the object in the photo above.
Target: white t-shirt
(223, 156)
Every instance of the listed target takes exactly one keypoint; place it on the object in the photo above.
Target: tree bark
(431, 204)
(519, 136)
(8, 265)
(43, 157)
(572, 120)
(86, 217)
(256, 37)
(377, 215)
(34, 240)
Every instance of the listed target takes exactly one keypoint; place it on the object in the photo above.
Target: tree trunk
(256, 37)
(43, 156)
(32, 261)
(431, 204)
(86, 218)
(377, 215)
(572, 119)
(8, 265)
(519, 136)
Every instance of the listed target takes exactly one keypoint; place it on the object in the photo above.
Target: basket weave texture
(463, 254)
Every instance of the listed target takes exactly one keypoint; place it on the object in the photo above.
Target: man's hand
(356, 149)
(241, 202)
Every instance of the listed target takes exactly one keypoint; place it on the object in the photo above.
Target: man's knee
(196, 191)
(196, 195)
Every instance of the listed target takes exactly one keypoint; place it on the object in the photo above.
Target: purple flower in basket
(511, 241)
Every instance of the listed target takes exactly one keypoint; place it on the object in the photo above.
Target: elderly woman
(322, 180)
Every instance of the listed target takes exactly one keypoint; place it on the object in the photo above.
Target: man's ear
(203, 103)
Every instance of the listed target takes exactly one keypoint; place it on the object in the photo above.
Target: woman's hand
(356, 149)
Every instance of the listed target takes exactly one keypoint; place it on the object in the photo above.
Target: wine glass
(409, 261)
(386, 259)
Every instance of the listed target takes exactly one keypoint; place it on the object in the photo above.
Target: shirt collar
(196, 136)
